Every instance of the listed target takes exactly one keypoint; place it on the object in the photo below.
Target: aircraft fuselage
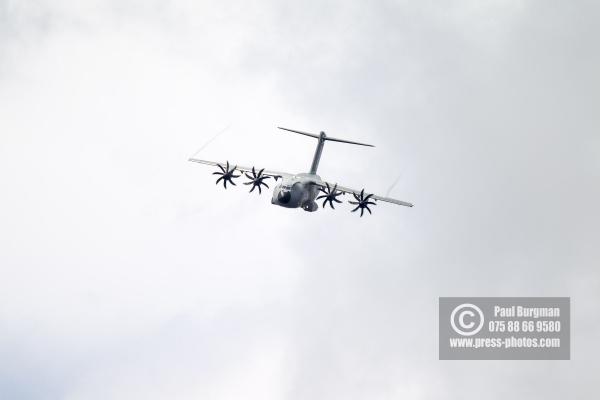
(297, 191)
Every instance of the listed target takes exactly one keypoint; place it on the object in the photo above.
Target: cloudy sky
(127, 274)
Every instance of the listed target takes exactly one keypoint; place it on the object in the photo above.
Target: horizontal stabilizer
(300, 132)
(348, 141)
(325, 137)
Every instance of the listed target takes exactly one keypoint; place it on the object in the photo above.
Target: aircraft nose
(284, 197)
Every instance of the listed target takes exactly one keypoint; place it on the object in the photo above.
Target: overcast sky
(127, 274)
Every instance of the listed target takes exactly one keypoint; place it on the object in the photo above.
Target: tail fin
(325, 137)
(322, 138)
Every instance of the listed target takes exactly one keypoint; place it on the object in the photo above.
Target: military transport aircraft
(303, 189)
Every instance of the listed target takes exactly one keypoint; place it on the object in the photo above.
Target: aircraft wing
(274, 174)
(374, 196)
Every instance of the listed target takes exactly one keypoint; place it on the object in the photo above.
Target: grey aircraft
(304, 189)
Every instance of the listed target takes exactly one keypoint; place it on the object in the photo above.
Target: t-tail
(322, 139)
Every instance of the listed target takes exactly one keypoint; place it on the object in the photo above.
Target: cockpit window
(284, 196)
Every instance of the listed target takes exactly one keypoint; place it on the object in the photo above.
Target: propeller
(226, 175)
(256, 180)
(330, 195)
(362, 202)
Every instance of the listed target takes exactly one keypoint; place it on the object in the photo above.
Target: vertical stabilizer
(319, 150)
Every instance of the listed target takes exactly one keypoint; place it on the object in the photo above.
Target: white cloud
(126, 273)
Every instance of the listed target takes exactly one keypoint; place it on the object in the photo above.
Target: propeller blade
(362, 202)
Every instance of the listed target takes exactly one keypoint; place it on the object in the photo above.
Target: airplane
(300, 190)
